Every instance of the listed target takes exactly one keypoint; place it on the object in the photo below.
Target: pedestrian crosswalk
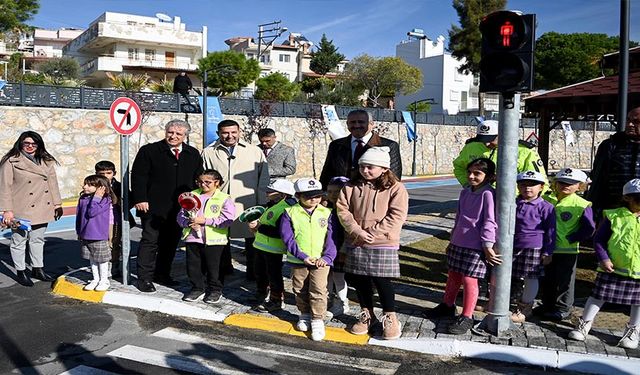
(185, 351)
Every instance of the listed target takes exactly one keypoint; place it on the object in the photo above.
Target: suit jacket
(339, 163)
(281, 160)
(158, 178)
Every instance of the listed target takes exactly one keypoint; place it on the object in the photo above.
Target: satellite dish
(164, 17)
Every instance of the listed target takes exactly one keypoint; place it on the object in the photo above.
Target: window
(133, 54)
(250, 56)
(265, 59)
(457, 75)
(454, 96)
(476, 80)
(149, 54)
(284, 58)
(464, 104)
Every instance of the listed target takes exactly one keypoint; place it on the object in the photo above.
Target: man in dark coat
(344, 153)
(617, 161)
(161, 172)
(182, 84)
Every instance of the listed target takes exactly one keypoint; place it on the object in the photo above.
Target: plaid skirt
(469, 262)
(613, 288)
(341, 257)
(96, 251)
(377, 262)
(527, 264)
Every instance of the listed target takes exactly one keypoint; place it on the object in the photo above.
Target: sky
(373, 27)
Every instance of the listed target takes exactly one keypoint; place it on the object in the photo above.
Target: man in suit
(280, 157)
(161, 172)
(344, 153)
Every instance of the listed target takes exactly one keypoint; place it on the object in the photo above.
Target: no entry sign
(125, 116)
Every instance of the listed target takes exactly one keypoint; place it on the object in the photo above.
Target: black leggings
(364, 289)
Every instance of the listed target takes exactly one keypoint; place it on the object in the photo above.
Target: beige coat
(245, 175)
(361, 208)
(29, 190)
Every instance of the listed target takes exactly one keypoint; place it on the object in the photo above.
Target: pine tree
(326, 58)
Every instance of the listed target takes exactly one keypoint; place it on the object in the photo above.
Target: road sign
(533, 138)
(125, 116)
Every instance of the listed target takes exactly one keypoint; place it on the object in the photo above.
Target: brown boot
(365, 322)
(391, 327)
(522, 313)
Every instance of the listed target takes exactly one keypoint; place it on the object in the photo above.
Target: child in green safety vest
(205, 234)
(268, 260)
(306, 228)
(574, 223)
(617, 247)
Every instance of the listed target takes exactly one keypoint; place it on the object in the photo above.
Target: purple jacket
(475, 225)
(92, 217)
(535, 225)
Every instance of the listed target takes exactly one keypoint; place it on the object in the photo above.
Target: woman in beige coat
(29, 190)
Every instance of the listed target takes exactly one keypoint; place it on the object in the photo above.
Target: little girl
(617, 247)
(574, 223)
(471, 246)
(93, 225)
(534, 239)
(340, 304)
(372, 209)
(205, 235)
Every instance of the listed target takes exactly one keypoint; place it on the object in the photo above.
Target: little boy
(306, 229)
(268, 261)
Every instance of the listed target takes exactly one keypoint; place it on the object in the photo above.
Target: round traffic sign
(125, 115)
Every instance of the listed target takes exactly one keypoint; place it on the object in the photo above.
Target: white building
(451, 91)
(118, 42)
(49, 43)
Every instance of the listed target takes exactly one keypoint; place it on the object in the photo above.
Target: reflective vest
(309, 231)
(212, 209)
(270, 217)
(624, 245)
(568, 213)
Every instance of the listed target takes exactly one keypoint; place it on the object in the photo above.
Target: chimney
(291, 39)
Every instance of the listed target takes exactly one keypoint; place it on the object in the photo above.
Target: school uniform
(92, 226)
(535, 235)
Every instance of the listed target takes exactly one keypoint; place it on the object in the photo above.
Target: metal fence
(22, 94)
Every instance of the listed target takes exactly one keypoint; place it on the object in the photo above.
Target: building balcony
(115, 64)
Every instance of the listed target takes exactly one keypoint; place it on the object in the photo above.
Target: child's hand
(100, 191)
(321, 263)
(546, 259)
(492, 257)
(310, 261)
(367, 238)
(606, 265)
(195, 227)
(197, 220)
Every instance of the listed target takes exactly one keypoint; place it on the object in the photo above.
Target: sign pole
(124, 199)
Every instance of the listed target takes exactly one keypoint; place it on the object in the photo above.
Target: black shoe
(146, 286)
(557, 316)
(212, 297)
(38, 273)
(461, 326)
(193, 295)
(441, 311)
(23, 279)
(116, 273)
(166, 281)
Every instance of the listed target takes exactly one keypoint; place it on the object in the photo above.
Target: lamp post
(415, 124)
(222, 69)
(268, 35)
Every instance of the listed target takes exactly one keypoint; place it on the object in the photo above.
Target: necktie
(176, 152)
(266, 152)
(358, 152)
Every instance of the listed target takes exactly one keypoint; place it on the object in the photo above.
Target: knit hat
(571, 176)
(308, 187)
(378, 156)
(531, 176)
(487, 131)
(281, 186)
(631, 187)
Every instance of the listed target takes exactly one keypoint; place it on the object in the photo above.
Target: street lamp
(268, 35)
(415, 123)
(221, 69)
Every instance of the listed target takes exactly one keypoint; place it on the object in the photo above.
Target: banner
(411, 126)
(334, 125)
(569, 138)
(214, 116)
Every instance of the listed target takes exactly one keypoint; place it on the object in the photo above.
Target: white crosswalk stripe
(86, 370)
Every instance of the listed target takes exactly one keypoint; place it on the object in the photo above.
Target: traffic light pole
(498, 321)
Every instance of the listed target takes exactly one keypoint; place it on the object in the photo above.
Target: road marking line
(171, 361)
(86, 370)
(373, 366)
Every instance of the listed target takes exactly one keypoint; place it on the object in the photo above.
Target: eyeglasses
(29, 144)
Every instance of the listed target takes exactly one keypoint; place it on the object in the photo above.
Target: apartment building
(118, 42)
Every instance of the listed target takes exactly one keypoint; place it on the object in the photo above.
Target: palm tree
(128, 82)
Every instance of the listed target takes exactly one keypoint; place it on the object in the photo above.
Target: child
(336, 280)
(534, 239)
(268, 263)
(205, 235)
(574, 223)
(306, 228)
(618, 250)
(92, 226)
(471, 247)
(372, 209)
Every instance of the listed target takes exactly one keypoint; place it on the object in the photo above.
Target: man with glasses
(617, 161)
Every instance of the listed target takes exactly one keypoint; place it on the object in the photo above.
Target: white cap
(376, 156)
(487, 131)
(309, 187)
(571, 176)
(281, 186)
(531, 176)
(631, 187)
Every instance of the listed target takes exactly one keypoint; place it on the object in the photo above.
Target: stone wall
(79, 138)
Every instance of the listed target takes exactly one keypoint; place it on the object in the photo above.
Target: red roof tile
(594, 87)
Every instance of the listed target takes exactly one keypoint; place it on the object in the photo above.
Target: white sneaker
(303, 322)
(91, 286)
(581, 331)
(630, 338)
(103, 285)
(317, 330)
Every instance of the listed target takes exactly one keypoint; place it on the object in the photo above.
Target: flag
(411, 126)
(334, 125)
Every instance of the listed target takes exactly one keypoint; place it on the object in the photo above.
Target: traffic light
(508, 43)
